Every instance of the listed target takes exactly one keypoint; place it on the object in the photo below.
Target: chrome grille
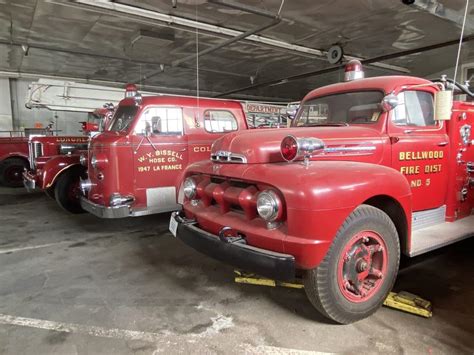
(35, 151)
(222, 156)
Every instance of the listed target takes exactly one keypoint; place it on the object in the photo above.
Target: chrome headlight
(189, 188)
(94, 161)
(83, 160)
(269, 205)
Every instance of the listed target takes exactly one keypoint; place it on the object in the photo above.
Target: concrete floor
(78, 284)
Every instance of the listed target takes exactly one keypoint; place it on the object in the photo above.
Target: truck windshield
(340, 109)
(123, 118)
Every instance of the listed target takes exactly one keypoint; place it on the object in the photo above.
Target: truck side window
(415, 108)
(218, 121)
(160, 120)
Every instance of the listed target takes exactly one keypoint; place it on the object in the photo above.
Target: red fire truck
(14, 154)
(369, 168)
(134, 167)
(55, 162)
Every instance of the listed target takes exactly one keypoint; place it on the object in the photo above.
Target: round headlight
(269, 205)
(189, 188)
(83, 159)
(94, 162)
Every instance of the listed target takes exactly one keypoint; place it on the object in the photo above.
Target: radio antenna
(460, 41)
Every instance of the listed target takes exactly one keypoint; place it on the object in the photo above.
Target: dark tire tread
(317, 282)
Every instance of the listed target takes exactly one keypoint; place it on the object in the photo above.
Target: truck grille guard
(229, 195)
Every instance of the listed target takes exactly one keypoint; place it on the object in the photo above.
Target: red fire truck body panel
(13, 147)
(144, 169)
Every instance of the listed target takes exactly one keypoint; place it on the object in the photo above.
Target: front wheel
(359, 269)
(67, 191)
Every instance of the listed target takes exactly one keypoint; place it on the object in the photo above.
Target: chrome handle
(442, 144)
(408, 131)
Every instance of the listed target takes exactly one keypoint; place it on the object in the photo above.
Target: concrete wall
(5, 106)
(66, 122)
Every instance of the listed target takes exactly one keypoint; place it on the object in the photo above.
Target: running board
(439, 235)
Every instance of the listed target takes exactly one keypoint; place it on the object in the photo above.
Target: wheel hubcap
(362, 266)
(14, 174)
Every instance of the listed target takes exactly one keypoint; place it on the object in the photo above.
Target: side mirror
(389, 102)
(148, 130)
(443, 104)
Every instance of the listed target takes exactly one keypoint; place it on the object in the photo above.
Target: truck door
(160, 156)
(420, 148)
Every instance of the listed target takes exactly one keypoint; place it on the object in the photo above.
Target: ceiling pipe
(121, 84)
(242, 7)
(103, 56)
(337, 67)
(156, 17)
(266, 26)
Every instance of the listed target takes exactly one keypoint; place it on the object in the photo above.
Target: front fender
(55, 166)
(318, 197)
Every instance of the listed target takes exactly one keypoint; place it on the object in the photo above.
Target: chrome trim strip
(349, 149)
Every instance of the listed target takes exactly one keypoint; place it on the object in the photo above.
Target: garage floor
(78, 284)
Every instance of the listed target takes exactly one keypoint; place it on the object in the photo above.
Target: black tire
(11, 172)
(66, 191)
(323, 285)
(50, 192)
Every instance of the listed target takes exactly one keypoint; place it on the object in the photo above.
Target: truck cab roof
(384, 83)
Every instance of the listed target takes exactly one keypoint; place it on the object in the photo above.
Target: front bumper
(122, 211)
(29, 181)
(263, 262)
(104, 211)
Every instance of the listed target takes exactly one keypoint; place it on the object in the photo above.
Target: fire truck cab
(369, 168)
(134, 167)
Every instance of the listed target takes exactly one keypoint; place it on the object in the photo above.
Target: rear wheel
(67, 191)
(11, 172)
(359, 269)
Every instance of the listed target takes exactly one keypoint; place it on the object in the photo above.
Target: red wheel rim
(362, 266)
(14, 173)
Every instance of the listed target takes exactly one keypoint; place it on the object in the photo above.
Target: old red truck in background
(370, 168)
(14, 154)
(135, 166)
(55, 162)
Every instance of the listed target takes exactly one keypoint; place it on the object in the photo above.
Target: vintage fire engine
(14, 154)
(55, 162)
(369, 168)
(135, 166)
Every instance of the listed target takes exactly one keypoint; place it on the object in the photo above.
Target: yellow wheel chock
(403, 301)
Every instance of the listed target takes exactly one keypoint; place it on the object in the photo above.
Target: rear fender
(55, 166)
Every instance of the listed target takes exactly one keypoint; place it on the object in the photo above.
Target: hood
(345, 143)
(107, 139)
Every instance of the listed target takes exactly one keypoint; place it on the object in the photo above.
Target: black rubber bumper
(238, 254)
